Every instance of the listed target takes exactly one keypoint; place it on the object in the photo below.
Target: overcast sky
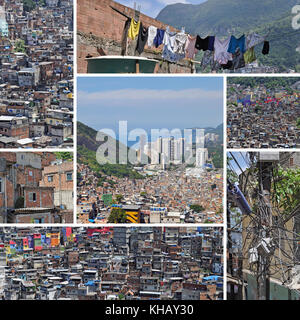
(153, 7)
(150, 102)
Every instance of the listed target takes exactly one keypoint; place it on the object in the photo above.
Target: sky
(243, 160)
(150, 102)
(153, 7)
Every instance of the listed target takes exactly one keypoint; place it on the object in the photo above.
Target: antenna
(137, 12)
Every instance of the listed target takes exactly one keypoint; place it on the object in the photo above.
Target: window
(30, 173)
(69, 176)
(1, 185)
(32, 196)
(50, 178)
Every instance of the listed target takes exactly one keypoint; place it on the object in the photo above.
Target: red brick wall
(2, 200)
(44, 198)
(21, 133)
(9, 156)
(97, 18)
(53, 171)
(25, 179)
(27, 218)
(68, 217)
(10, 194)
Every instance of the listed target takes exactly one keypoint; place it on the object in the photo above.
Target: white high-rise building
(200, 138)
(3, 23)
(201, 157)
(178, 150)
(142, 148)
(166, 149)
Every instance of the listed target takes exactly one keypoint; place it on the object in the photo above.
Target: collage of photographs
(149, 151)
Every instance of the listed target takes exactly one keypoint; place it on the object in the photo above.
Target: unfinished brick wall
(99, 26)
(9, 156)
(44, 197)
(28, 218)
(20, 132)
(28, 176)
(59, 176)
(67, 217)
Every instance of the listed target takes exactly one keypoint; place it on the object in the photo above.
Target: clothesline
(230, 53)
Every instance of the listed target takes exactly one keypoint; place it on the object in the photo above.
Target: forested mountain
(87, 146)
(226, 17)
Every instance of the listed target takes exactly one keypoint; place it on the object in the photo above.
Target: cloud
(167, 2)
(151, 108)
(150, 8)
(144, 97)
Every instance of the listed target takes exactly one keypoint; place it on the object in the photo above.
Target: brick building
(25, 198)
(100, 29)
(60, 177)
(16, 127)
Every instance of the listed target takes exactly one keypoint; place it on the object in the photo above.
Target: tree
(117, 215)
(29, 5)
(20, 46)
(64, 155)
(197, 208)
(119, 198)
(287, 189)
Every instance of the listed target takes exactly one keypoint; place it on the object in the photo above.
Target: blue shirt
(237, 43)
(158, 40)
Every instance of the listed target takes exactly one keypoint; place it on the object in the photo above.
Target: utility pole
(265, 166)
(229, 246)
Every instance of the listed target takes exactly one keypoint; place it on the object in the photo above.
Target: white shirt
(253, 39)
(221, 54)
(152, 31)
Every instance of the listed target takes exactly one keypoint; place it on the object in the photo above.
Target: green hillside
(268, 82)
(86, 154)
(226, 17)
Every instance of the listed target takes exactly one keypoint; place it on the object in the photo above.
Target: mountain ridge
(237, 17)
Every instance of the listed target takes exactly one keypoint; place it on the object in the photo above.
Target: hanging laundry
(202, 44)
(152, 31)
(266, 47)
(238, 60)
(228, 65)
(190, 49)
(253, 39)
(221, 50)
(211, 41)
(142, 39)
(134, 29)
(249, 55)
(170, 45)
(237, 43)
(159, 38)
(208, 61)
(180, 41)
